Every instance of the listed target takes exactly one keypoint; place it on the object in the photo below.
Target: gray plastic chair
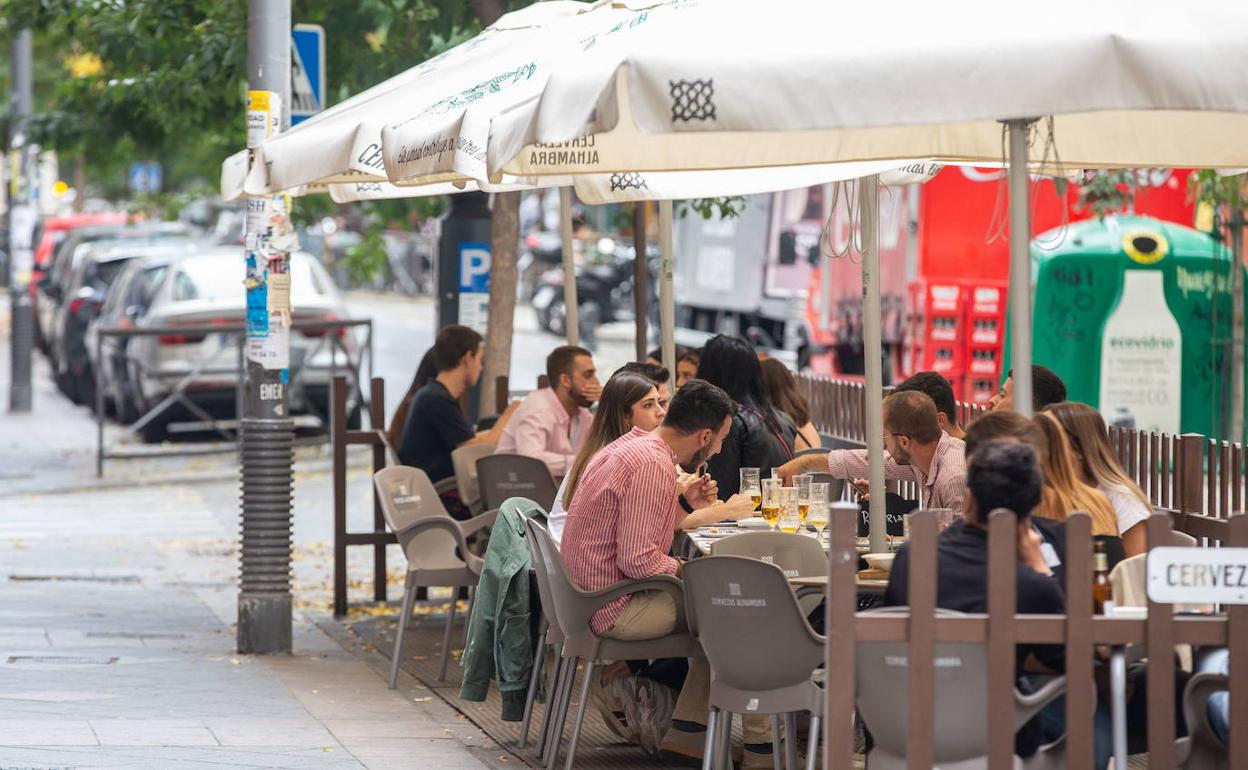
(836, 487)
(1202, 749)
(571, 609)
(500, 476)
(960, 731)
(464, 461)
(796, 555)
(434, 544)
(810, 451)
(741, 609)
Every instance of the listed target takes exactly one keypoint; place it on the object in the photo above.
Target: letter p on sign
(474, 268)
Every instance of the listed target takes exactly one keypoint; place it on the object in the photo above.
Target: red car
(52, 231)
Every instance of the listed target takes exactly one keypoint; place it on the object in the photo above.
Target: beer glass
(750, 485)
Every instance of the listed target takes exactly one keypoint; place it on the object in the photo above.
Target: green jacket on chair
(500, 631)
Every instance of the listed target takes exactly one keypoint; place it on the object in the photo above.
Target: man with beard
(917, 451)
(551, 423)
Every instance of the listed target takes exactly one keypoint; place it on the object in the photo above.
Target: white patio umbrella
(733, 84)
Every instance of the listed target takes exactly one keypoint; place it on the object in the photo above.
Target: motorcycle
(604, 289)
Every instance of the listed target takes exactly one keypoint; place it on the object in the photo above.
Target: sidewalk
(117, 645)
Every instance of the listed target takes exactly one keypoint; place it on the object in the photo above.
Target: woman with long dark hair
(629, 400)
(788, 399)
(760, 436)
(424, 372)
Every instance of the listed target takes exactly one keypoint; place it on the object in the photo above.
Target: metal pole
(825, 266)
(22, 215)
(571, 309)
(267, 445)
(641, 280)
(872, 355)
(667, 298)
(1237, 320)
(1020, 267)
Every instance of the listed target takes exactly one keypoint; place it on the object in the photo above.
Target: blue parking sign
(474, 285)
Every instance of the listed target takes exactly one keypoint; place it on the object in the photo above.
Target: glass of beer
(817, 516)
(803, 495)
(771, 500)
(750, 485)
(789, 519)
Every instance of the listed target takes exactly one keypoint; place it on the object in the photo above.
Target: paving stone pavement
(117, 644)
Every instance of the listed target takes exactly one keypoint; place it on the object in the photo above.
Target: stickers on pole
(264, 116)
(279, 293)
(271, 351)
(1198, 575)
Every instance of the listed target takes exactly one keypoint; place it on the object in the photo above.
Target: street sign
(145, 177)
(1198, 575)
(474, 285)
(307, 71)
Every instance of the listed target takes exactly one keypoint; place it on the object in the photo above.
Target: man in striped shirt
(625, 510)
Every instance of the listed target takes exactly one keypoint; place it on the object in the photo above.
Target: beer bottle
(1102, 591)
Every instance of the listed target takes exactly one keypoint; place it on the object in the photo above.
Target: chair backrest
(810, 451)
(1183, 540)
(796, 555)
(407, 496)
(501, 476)
(464, 461)
(747, 619)
(564, 604)
(960, 730)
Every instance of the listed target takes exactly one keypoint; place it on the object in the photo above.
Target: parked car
(100, 264)
(128, 300)
(206, 289)
(52, 287)
(48, 235)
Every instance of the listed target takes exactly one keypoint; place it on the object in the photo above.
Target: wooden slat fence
(1001, 629)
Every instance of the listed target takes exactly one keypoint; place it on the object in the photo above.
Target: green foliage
(1224, 195)
(724, 208)
(367, 258)
(1106, 191)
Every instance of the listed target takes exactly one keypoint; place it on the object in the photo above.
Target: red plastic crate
(978, 390)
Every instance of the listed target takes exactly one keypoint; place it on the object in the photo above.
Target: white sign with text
(1198, 575)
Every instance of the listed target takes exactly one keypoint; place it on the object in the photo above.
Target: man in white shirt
(551, 423)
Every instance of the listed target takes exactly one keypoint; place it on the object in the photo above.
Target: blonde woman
(1064, 489)
(1094, 460)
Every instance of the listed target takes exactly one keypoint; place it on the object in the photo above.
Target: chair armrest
(1196, 706)
(446, 485)
(591, 602)
(478, 522)
(1027, 706)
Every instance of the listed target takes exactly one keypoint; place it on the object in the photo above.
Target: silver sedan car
(202, 290)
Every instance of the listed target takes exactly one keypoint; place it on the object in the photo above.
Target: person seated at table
(940, 392)
(760, 437)
(425, 371)
(655, 356)
(551, 423)
(917, 451)
(786, 398)
(622, 514)
(1098, 467)
(1002, 474)
(687, 367)
(435, 424)
(629, 400)
(1046, 388)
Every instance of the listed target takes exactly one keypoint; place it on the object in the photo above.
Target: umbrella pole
(571, 309)
(667, 299)
(825, 272)
(872, 355)
(641, 278)
(1020, 267)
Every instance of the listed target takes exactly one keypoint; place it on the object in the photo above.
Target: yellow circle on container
(1145, 246)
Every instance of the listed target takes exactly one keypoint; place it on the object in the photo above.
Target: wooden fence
(1001, 629)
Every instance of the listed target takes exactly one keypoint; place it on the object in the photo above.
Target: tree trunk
(80, 183)
(504, 243)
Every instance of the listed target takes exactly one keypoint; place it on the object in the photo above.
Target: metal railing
(1000, 629)
(234, 339)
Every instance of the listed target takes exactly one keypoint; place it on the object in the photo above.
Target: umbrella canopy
(736, 83)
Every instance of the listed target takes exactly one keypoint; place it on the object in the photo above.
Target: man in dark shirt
(435, 424)
(1000, 475)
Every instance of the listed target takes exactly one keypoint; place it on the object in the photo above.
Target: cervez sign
(1198, 575)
